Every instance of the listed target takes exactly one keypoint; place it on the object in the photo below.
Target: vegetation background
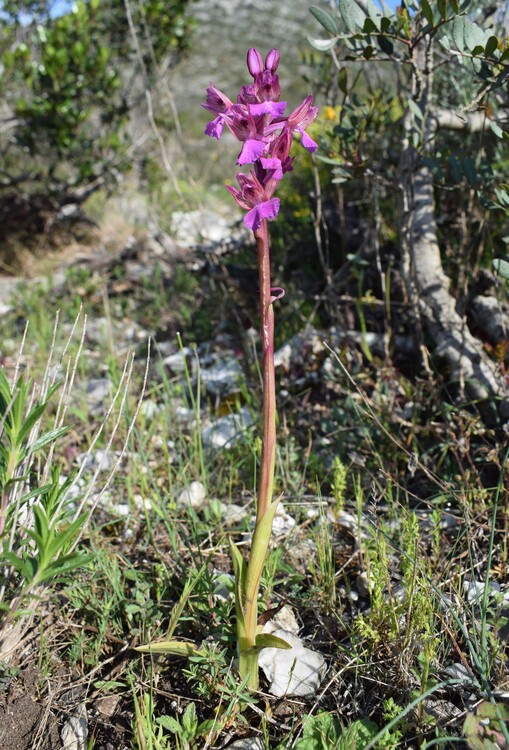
(125, 465)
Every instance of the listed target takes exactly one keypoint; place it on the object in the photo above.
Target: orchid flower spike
(257, 120)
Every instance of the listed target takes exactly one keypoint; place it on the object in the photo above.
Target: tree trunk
(477, 378)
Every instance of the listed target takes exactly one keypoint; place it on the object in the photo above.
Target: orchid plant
(257, 120)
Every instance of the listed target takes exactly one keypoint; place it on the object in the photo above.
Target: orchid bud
(254, 62)
(272, 60)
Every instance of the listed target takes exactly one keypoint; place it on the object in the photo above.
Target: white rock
(364, 585)
(231, 513)
(178, 361)
(295, 671)
(226, 430)
(248, 743)
(98, 391)
(283, 357)
(223, 376)
(99, 330)
(475, 589)
(150, 409)
(190, 227)
(194, 495)
(98, 459)
(283, 522)
(459, 671)
(283, 620)
(74, 733)
(4, 309)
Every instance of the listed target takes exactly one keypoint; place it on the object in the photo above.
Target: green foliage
(325, 732)
(371, 105)
(41, 548)
(68, 82)
(51, 536)
(187, 729)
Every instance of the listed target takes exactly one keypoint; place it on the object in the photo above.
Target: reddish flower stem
(268, 460)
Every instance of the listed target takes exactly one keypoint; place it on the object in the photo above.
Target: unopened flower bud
(272, 60)
(254, 62)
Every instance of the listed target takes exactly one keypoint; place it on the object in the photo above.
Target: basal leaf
(325, 19)
(175, 648)
(49, 437)
(65, 565)
(267, 640)
(169, 723)
(189, 720)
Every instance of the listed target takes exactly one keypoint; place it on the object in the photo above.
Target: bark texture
(474, 376)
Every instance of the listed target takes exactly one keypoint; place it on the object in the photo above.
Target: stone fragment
(232, 514)
(178, 361)
(285, 620)
(226, 430)
(194, 495)
(74, 732)
(247, 743)
(222, 377)
(295, 671)
(98, 391)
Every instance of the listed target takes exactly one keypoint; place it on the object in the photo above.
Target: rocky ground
(340, 397)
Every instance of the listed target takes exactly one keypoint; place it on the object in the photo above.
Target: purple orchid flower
(254, 198)
(257, 120)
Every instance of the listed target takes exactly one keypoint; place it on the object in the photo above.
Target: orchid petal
(254, 62)
(215, 128)
(266, 210)
(307, 141)
(272, 60)
(303, 115)
(275, 109)
(239, 199)
(274, 165)
(217, 102)
(251, 151)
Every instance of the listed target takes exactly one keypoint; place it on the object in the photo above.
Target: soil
(26, 719)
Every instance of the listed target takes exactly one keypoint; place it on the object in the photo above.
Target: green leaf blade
(325, 19)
